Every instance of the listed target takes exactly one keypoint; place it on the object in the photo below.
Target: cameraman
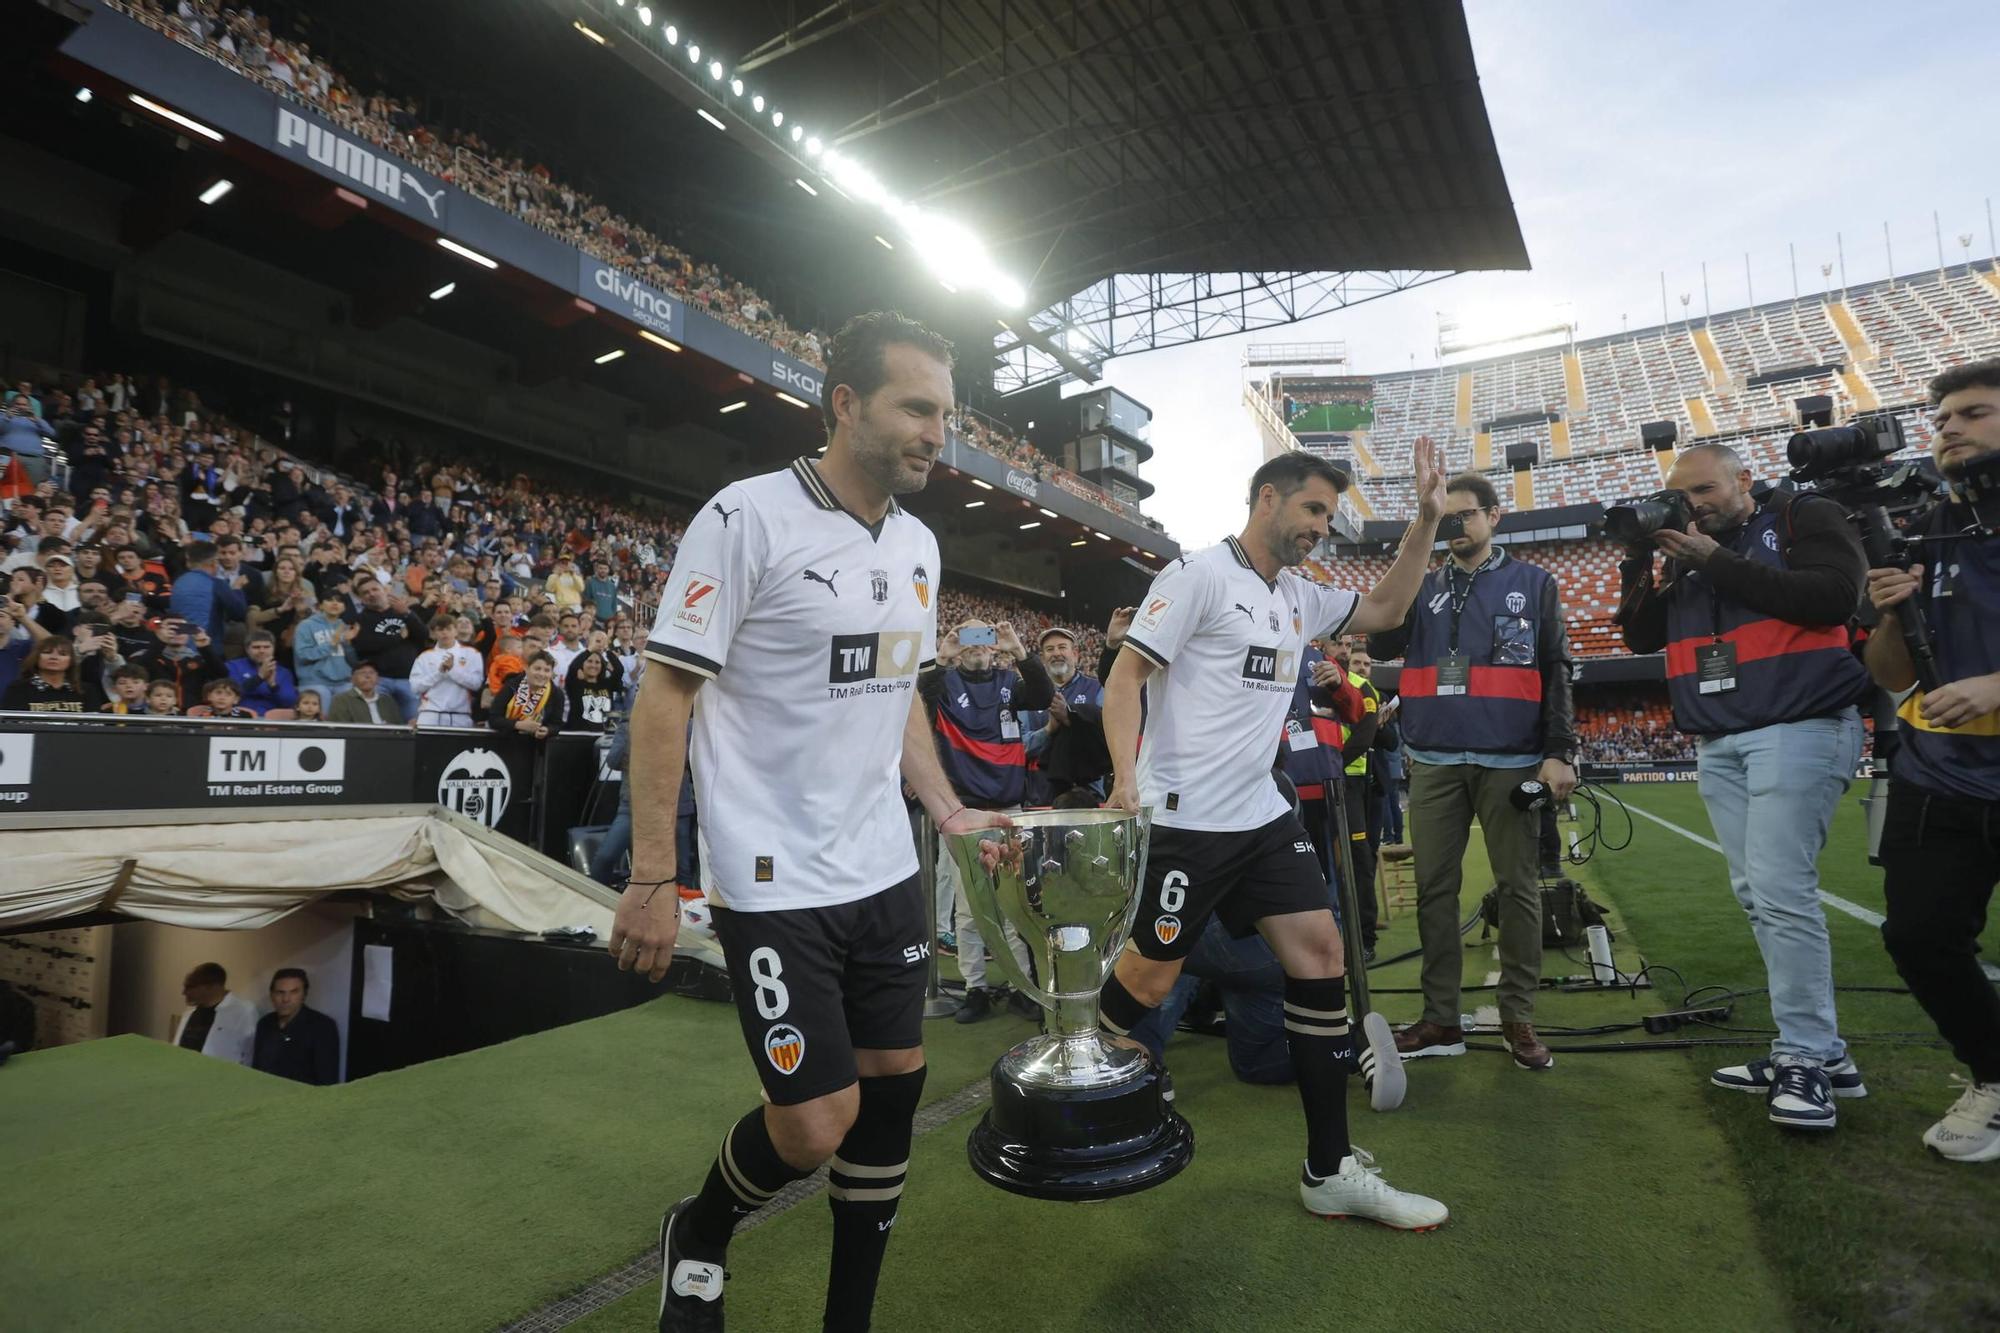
(1941, 838)
(1754, 618)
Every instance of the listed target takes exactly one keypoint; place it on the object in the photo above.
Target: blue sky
(1639, 138)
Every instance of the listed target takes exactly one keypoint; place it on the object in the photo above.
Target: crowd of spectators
(955, 608)
(1631, 727)
(244, 41)
(184, 564)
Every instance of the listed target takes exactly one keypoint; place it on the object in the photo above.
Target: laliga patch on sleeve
(698, 599)
(1154, 612)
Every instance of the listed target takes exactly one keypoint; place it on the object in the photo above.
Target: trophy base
(1080, 1144)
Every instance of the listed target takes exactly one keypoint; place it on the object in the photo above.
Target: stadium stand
(247, 44)
(1872, 347)
(1586, 571)
(458, 533)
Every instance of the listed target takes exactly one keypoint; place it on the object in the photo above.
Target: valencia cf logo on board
(785, 1047)
(1167, 929)
(922, 583)
(878, 585)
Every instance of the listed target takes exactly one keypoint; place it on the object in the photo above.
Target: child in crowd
(128, 691)
(222, 699)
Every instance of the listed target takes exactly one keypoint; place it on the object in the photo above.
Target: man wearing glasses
(1485, 707)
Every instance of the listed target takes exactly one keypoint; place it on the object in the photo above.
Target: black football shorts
(1240, 877)
(813, 984)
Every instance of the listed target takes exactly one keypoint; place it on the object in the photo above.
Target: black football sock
(864, 1185)
(747, 1174)
(1322, 1049)
(1118, 1010)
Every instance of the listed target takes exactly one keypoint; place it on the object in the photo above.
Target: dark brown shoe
(1525, 1046)
(1428, 1038)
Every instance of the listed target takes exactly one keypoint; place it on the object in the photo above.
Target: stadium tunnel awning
(221, 870)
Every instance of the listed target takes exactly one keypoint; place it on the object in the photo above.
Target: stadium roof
(1130, 136)
(1265, 140)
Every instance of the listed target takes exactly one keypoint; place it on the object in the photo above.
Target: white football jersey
(811, 630)
(1228, 645)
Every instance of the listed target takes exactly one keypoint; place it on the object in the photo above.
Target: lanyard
(1458, 599)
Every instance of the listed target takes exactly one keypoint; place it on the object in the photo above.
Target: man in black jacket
(1753, 614)
(294, 1040)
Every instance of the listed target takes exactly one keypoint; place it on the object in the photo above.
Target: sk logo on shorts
(784, 1047)
(1167, 929)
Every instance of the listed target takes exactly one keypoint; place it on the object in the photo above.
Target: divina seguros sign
(627, 296)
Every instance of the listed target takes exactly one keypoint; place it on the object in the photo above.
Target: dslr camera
(1634, 523)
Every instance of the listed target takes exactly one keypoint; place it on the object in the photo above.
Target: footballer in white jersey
(800, 608)
(1213, 653)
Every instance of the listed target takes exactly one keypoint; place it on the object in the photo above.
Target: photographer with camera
(1753, 613)
(1490, 728)
(1940, 847)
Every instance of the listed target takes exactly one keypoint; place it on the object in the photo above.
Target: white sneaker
(1970, 1130)
(1358, 1190)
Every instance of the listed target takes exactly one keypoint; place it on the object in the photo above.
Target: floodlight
(736, 87)
(757, 103)
(646, 15)
(703, 113)
(672, 34)
(798, 133)
(467, 253)
(610, 356)
(444, 291)
(812, 145)
(694, 54)
(169, 114)
(715, 69)
(216, 191)
(777, 119)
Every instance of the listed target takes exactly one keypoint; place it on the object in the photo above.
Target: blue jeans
(611, 848)
(406, 698)
(1253, 999)
(1771, 794)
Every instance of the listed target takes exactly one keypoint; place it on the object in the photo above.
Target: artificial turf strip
(107, 1091)
(1867, 1228)
(453, 1195)
(1599, 1195)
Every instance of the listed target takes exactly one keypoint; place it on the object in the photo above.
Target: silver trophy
(1072, 1118)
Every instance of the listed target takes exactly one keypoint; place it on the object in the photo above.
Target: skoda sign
(627, 296)
(797, 377)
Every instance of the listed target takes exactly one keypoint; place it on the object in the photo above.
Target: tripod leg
(1381, 1066)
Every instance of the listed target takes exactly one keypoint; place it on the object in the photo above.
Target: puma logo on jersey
(1247, 612)
(717, 507)
(814, 577)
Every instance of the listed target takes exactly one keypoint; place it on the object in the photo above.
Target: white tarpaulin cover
(240, 876)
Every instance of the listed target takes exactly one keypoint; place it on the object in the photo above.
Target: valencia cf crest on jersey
(1274, 622)
(784, 1047)
(1167, 929)
(878, 585)
(922, 583)
(1298, 626)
